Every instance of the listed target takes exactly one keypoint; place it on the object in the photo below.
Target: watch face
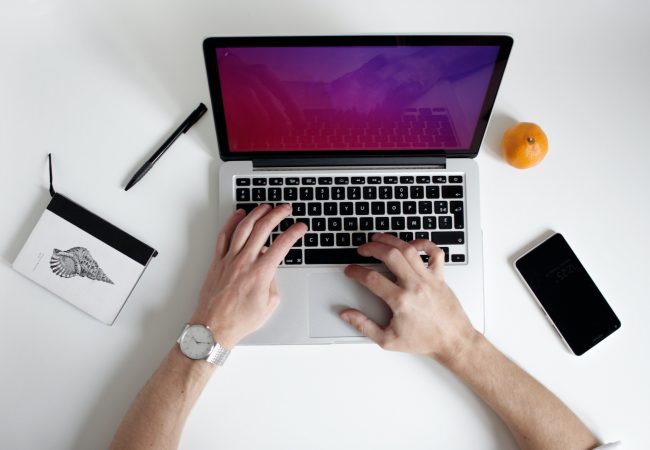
(197, 342)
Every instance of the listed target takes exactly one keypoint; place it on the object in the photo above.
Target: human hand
(427, 317)
(239, 293)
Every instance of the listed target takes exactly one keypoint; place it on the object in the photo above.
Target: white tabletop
(100, 84)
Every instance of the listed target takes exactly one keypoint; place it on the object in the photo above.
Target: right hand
(427, 317)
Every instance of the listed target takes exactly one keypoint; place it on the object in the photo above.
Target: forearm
(156, 417)
(534, 415)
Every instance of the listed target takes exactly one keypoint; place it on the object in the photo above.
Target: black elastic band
(52, 192)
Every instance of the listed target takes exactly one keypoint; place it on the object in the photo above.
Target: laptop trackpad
(330, 293)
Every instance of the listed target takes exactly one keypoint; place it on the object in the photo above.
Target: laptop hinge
(332, 162)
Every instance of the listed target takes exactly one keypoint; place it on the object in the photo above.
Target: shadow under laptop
(499, 123)
(159, 330)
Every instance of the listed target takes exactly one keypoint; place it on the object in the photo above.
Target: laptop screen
(412, 97)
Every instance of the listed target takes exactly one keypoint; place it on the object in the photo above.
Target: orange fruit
(524, 145)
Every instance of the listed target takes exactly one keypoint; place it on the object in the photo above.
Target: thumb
(365, 326)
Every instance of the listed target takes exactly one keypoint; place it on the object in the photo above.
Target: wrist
(469, 353)
(460, 351)
(222, 332)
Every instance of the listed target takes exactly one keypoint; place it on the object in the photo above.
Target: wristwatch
(196, 342)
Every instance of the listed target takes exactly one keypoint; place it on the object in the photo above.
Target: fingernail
(345, 317)
(239, 211)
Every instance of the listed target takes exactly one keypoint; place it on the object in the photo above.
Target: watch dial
(197, 342)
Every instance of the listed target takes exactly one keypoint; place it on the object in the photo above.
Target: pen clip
(52, 191)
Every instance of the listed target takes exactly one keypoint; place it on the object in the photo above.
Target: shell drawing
(76, 262)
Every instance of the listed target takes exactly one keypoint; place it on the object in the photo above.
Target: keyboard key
(334, 224)
(342, 239)
(242, 195)
(324, 180)
(248, 207)
(417, 192)
(286, 223)
(413, 223)
(299, 209)
(327, 239)
(341, 180)
(366, 223)
(378, 208)
(444, 222)
(439, 179)
(374, 180)
(346, 208)
(433, 191)
(293, 181)
(440, 207)
(424, 207)
(338, 193)
(259, 181)
(385, 192)
(354, 193)
(358, 239)
(276, 181)
(394, 208)
(397, 223)
(407, 180)
(322, 193)
(429, 222)
(290, 194)
(422, 235)
(294, 256)
(381, 223)
(311, 240)
(459, 216)
(306, 193)
(303, 220)
(458, 258)
(423, 179)
(362, 208)
(259, 194)
(275, 194)
(401, 192)
(309, 181)
(390, 180)
(243, 181)
(406, 236)
(369, 193)
(452, 192)
(358, 180)
(455, 179)
(409, 208)
(330, 209)
(350, 224)
(314, 209)
(336, 256)
(448, 237)
(318, 224)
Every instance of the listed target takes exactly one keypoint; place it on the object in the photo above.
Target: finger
(282, 244)
(376, 283)
(364, 325)
(408, 250)
(435, 253)
(223, 239)
(390, 256)
(263, 228)
(244, 228)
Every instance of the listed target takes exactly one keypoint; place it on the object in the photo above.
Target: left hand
(239, 293)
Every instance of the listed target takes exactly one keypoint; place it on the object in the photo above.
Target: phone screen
(567, 293)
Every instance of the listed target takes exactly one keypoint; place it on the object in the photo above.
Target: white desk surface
(100, 84)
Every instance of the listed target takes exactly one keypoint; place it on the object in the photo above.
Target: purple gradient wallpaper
(353, 98)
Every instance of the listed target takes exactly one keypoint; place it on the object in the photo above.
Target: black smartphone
(567, 294)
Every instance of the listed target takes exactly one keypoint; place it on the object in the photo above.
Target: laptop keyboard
(342, 212)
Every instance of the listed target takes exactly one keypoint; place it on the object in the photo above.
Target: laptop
(361, 134)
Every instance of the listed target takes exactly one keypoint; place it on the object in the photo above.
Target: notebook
(83, 259)
(361, 134)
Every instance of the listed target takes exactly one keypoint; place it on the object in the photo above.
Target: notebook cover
(83, 259)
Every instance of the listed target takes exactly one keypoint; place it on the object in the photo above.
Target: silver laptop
(361, 134)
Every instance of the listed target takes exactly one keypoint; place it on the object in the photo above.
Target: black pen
(186, 125)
